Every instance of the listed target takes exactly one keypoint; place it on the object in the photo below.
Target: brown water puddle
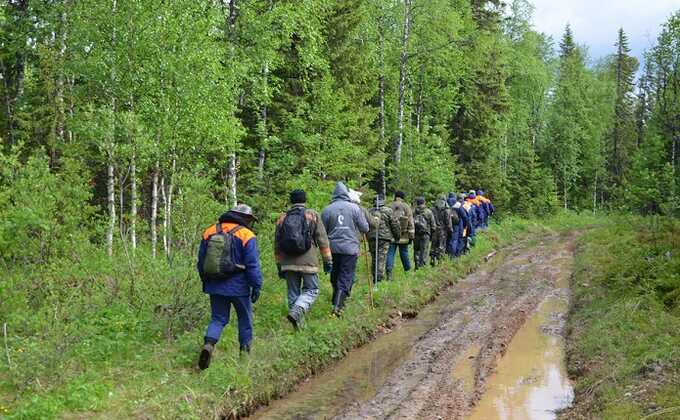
(358, 376)
(531, 380)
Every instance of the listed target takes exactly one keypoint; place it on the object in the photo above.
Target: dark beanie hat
(400, 194)
(420, 200)
(298, 197)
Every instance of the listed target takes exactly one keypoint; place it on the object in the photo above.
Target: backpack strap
(234, 229)
(218, 228)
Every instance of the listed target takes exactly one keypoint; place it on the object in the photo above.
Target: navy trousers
(220, 307)
(342, 276)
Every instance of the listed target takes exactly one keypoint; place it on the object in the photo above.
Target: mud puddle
(358, 376)
(531, 380)
(489, 347)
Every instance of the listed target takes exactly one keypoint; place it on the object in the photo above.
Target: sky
(595, 22)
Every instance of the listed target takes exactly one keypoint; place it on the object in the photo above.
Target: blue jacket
(245, 253)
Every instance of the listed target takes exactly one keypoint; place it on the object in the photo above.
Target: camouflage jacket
(442, 213)
(387, 225)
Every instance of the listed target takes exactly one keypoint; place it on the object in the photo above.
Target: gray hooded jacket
(344, 220)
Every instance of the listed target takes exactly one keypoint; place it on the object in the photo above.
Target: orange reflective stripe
(244, 234)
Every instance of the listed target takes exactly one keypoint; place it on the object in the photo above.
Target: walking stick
(368, 270)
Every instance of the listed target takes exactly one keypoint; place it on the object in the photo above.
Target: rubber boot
(205, 356)
(339, 303)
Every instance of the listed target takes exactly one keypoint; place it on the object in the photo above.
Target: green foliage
(43, 212)
(623, 345)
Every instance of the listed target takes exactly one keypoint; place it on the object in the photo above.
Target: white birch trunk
(164, 199)
(154, 209)
(111, 199)
(133, 202)
(231, 180)
(167, 221)
(403, 60)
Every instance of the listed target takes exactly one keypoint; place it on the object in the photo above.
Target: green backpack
(219, 258)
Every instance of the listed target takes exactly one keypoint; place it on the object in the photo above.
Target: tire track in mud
(487, 309)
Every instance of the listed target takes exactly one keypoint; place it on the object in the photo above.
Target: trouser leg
(244, 312)
(347, 266)
(310, 291)
(403, 255)
(219, 309)
(293, 280)
(391, 253)
(335, 273)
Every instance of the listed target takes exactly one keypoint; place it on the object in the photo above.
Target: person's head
(472, 194)
(420, 201)
(400, 194)
(480, 192)
(451, 195)
(461, 197)
(245, 212)
(298, 197)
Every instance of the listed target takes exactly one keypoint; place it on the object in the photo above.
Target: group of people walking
(229, 263)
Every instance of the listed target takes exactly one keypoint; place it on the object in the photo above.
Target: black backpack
(219, 257)
(294, 237)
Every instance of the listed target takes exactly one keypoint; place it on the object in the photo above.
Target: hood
(340, 192)
(457, 205)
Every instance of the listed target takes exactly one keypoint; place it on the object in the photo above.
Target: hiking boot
(205, 356)
(295, 317)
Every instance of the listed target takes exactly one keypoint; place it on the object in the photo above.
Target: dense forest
(117, 117)
(126, 127)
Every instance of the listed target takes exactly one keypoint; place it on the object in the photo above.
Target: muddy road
(489, 347)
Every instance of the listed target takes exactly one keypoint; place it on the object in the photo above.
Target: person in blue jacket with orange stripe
(239, 287)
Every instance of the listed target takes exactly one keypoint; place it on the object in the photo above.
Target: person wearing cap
(473, 218)
(240, 289)
(344, 222)
(481, 209)
(301, 271)
(444, 218)
(425, 228)
(404, 214)
(384, 230)
(489, 209)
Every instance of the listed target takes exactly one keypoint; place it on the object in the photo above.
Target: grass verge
(118, 340)
(623, 344)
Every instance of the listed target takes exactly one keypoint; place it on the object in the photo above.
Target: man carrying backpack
(344, 221)
(229, 267)
(461, 229)
(402, 211)
(425, 228)
(299, 237)
(384, 231)
(442, 215)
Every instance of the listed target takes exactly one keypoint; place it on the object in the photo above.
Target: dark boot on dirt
(339, 303)
(295, 316)
(205, 356)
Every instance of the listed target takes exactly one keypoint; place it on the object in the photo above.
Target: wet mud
(489, 347)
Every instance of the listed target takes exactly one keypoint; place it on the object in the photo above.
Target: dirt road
(442, 364)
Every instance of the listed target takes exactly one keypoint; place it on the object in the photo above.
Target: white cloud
(595, 23)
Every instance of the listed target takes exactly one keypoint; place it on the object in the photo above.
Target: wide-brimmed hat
(244, 210)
